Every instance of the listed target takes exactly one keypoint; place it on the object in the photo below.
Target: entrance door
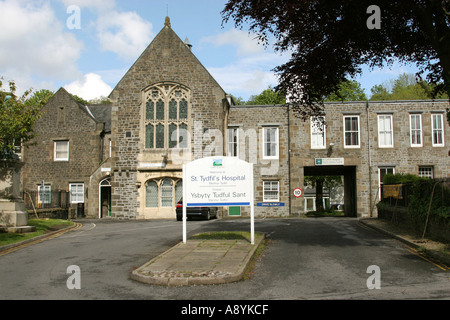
(105, 198)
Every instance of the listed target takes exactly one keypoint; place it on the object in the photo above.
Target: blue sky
(42, 46)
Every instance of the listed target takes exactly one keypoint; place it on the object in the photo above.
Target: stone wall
(250, 120)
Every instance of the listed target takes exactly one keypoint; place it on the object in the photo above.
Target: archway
(105, 198)
(349, 174)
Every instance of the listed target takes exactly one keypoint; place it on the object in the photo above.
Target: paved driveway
(313, 258)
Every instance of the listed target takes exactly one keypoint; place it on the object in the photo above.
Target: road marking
(27, 244)
(422, 255)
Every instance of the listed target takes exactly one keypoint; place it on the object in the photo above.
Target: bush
(400, 178)
(419, 192)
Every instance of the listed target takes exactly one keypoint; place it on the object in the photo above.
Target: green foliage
(267, 97)
(405, 87)
(39, 98)
(400, 178)
(79, 99)
(348, 90)
(420, 199)
(329, 41)
(423, 196)
(42, 226)
(100, 100)
(17, 117)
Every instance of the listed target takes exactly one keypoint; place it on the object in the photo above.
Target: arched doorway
(105, 198)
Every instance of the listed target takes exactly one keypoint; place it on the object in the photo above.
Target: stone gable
(166, 60)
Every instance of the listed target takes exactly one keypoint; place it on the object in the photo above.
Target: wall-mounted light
(330, 149)
(164, 156)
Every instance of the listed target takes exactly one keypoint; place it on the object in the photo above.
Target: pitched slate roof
(101, 113)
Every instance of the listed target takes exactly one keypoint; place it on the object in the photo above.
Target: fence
(423, 205)
(46, 200)
(400, 195)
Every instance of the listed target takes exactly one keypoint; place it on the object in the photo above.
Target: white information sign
(329, 161)
(218, 182)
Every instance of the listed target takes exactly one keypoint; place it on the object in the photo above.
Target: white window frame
(358, 131)
(233, 142)
(380, 181)
(318, 133)
(55, 150)
(276, 142)
(426, 172)
(313, 199)
(416, 132)
(385, 135)
(76, 192)
(47, 190)
(439, 130)
(271, 188)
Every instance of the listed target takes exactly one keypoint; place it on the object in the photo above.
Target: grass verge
(43, 226)
(223, 235)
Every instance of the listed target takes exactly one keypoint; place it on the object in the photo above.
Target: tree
(267, 97)
(17, 118)
(405, 87)
(40, 97)
(379, 92)
(238, 101)
(348, 90)
(100, 100)
(329, 41)
(331, 183)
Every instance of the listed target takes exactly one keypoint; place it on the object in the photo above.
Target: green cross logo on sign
(318, 161)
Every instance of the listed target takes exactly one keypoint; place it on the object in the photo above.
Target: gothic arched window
(166, 116)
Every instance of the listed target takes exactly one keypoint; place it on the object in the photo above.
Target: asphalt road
(313, 258)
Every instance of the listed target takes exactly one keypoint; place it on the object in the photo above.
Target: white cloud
(244, 43)
(90, 87)
(124, 33)
(93, 4)
(34, 43)
(248, 70)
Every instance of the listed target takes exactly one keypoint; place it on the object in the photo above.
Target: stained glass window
(183, 136)
(166, 193)
(160, 110)
(183, 109)
(151, 195)
(160, 136)
(150, 110)
(165, 117)
(149, 136)
(173, 137)
(178, 191)
(173, 109)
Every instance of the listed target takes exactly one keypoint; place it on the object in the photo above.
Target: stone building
(366, 140)
(73, 140)
(125, 159)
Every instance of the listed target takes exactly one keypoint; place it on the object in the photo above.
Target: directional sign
(297, 192)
